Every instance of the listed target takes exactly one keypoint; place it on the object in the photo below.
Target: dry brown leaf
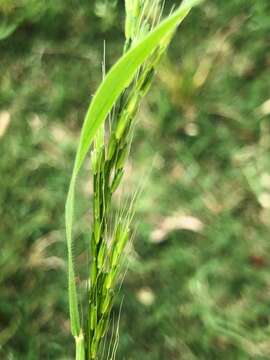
(176, 222)
(4, 122)
(264, 109)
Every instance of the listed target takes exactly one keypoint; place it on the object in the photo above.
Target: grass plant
(117, 100)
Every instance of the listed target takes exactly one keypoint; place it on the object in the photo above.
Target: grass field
(197, 285)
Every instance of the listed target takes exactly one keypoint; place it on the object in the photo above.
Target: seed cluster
(111, 150)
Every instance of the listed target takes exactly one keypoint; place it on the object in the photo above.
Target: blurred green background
(198, 283)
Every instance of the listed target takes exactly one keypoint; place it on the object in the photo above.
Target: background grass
(198, 279)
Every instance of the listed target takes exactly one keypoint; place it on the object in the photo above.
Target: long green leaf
(117, 79)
